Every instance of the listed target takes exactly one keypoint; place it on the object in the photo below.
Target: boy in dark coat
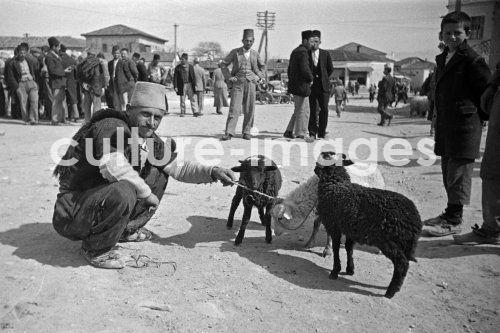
(461, 79)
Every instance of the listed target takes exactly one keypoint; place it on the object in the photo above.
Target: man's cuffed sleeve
(190, 172)
(115, 167)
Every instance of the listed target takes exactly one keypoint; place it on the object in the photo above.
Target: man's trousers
(100, 216)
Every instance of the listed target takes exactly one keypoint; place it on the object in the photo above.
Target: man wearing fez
(108, 195)
(322, 68)
(184, 85)
(246, 72)
(300, 78)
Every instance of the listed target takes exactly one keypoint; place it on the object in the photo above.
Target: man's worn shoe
(226, 137)
(441, 230)
(103, 258)
(443, 219)
(246, 136)
(288, 135)
(477, 236)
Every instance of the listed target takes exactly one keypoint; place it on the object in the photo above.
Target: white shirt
(246, 53)
(315, 55)
(449, 56)
(115, 61)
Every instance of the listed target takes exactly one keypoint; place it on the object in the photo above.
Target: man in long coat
(184, 85)
(322, 67)
(300, 78)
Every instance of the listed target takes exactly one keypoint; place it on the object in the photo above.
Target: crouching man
(110, 194)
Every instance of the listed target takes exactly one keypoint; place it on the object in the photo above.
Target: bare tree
(210, 50)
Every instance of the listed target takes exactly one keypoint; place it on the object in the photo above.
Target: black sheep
(261, 174)
(376, 217)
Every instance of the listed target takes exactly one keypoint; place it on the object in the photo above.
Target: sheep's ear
(347, 162)
(270, 168)
(238, 168)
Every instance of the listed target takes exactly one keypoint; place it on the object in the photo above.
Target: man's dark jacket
(125, 77)
(387, 89)
(300, 73)
(178, 81)
(57, 76)
(142, 72)
(324, 70)
(14, 75)
(459, 86)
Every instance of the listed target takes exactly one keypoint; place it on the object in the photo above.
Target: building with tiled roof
(9, 43)
(415, 68)
(124, 37)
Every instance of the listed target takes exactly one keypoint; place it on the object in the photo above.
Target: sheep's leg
(317, 223)
(336, 258)
(246, 218)
(401, 265)
(234, 205)
(267, 223)
(349, 245)
(328, 247)
(262, 216)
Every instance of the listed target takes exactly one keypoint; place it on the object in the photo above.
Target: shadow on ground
(40, 242)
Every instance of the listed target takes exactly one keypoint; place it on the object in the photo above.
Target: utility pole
(265, 21)
(26, 36)
(175, 44)
(458, 5)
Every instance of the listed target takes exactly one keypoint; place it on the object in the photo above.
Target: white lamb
(299, 205)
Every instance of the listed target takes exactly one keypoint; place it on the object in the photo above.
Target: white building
(356, 62)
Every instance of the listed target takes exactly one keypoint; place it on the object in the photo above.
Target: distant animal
(376, 217)
(300, 204)
(257, 173)
(419, 105)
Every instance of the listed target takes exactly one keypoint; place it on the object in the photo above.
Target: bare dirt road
(46, 286)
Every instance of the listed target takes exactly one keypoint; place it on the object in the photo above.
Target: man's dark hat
(156, 56)
(184, 56)
(63, 48)
(316, 33)
(53, 41)
(306, 34)
(136, 55)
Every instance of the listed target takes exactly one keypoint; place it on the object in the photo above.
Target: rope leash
(253, 191)
(303, 221)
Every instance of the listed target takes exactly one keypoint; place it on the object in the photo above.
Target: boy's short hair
(457, 17)
(124, 49)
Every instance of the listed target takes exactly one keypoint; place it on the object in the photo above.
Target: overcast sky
(405, 27)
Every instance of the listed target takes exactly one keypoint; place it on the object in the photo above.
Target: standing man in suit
(123, 73)
(322, 67)
(184, 85)
(246, 72)
(385, 96)
(199, 74)
(57, 79)
(300, 78)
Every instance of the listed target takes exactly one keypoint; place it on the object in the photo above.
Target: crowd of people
(463, 94)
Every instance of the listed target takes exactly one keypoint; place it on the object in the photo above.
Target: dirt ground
(46, 286)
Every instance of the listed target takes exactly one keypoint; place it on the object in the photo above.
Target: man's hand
(233, 79)
(226, 176)
(152, 201)
(68, 69)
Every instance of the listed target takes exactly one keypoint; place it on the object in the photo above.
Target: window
(104, 47)
(477, 27)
